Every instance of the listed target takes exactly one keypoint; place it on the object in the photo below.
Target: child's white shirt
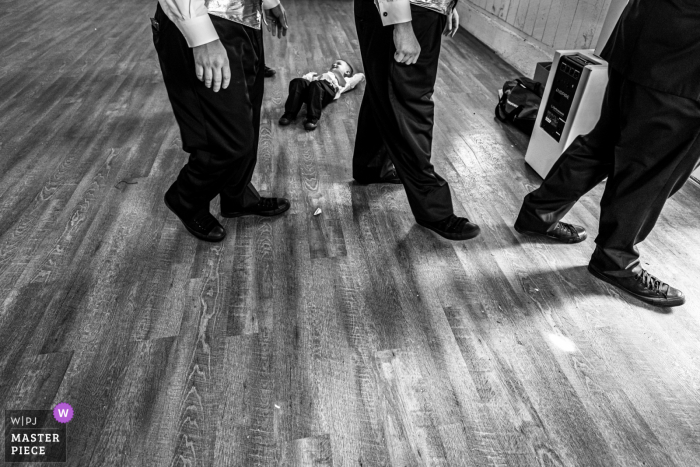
(332, 79)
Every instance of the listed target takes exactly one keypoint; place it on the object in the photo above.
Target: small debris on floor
(317, 212)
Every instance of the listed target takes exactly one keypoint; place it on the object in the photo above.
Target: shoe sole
(193, 232)
(391, 181)
(381, 182)
(474, 233)
(663, 302)
(233, 215)
(537, 234)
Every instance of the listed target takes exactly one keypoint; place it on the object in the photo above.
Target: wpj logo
(37, 435)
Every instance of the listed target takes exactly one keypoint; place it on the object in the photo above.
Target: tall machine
(571, 105)
(572, 98)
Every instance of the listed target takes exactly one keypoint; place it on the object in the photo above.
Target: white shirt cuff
(270, 4)
(198, 30)
(394, 11)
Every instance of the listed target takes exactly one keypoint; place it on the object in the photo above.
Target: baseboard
(519, 50)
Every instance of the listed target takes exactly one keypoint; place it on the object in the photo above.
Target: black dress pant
(396, 116)
(315, 94)
(647, 144)
(220, 130)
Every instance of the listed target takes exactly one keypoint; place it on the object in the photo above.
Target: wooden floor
(354, 338)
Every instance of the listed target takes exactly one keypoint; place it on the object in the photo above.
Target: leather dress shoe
(643, 286)
(311, 124)
(286, 119)
(391, 177)
(453, 227)
(562, 232)
(266, 207)
(269, 72)
(202, 225)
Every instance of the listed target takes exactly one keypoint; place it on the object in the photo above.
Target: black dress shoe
(269, 72)
(311, 124)
(202, 225)
(643, 286)
(266, 207)
(388, 178)
(562, 232)
(453, 228)
(391, 177)
(286, 119)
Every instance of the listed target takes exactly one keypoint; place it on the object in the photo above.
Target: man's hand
(452, 24)
(407, 46)
(276, 19)
(211, 65)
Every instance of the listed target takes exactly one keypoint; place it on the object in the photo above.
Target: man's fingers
(406, 58)
(199, 71)
(207, 76)
(226, 74)
(285, 25)
(277, 21)
(216, 79)
(269, 19)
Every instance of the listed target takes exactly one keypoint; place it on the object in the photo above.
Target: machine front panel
(564, 86)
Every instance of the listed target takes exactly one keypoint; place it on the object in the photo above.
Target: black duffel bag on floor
(519, 103)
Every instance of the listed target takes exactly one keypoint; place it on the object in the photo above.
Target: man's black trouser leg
(298, 90)
(647, 144)
(585, 163)
(219, 130)
(319, 95)
(397, 109)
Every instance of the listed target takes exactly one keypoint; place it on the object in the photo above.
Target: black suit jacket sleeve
(656, 43)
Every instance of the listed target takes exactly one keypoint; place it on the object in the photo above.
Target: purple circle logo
(63, 413)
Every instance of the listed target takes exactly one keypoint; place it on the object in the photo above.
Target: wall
(524, 32)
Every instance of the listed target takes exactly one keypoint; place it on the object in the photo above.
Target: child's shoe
(286, 119)
(311, 124)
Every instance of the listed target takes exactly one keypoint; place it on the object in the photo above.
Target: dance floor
(352, 338)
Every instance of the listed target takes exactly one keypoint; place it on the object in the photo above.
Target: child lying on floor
(317, 91)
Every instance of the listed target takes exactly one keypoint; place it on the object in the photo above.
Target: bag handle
(509, 116)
